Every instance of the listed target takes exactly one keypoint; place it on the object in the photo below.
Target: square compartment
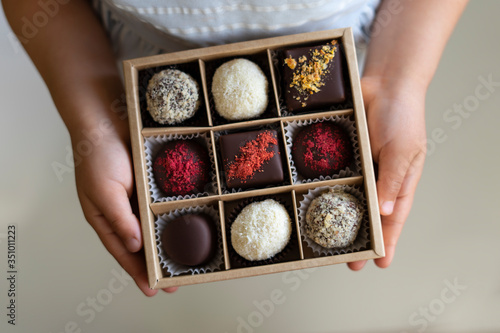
(276, 127)
(262, 60)
(291, 252)
(153, 146)
(200, 118)
(279, 63)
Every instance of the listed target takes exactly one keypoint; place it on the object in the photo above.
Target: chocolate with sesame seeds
(172, 97)
(333, 219)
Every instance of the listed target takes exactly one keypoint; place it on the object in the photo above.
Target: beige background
(451, 236)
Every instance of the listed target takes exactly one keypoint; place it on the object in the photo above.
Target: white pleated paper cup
(173, 268)
(362, 241)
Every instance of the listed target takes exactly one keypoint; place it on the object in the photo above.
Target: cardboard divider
(222, 214)
(297, 227)
(274, 82)
(216, 162)
(205, 90)
(203, 60)
(286, 154)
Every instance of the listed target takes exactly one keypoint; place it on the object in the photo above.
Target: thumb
(393, 165)
(115, 206)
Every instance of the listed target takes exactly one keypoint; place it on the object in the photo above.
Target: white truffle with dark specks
(240, 90)
(172, 97)
(333, 219)
(261, 230)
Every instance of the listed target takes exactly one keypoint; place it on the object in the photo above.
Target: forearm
(408, 41)
(75, 59)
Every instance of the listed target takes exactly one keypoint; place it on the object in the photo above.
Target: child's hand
(396, 123)
(402, 57)
(105, 183)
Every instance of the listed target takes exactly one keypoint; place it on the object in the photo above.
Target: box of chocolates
(252, 158)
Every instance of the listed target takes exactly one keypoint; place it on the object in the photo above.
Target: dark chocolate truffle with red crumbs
(321, 149)
(251, 159)
(181, 167)
(190, 239)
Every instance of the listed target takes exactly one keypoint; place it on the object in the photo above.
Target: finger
(392, 225)
(132, 263)
(115, 206)
(356, 265)
(393, 166)
(170, 290)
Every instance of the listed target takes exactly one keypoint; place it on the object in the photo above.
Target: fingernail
(133, 244)
(387, 207)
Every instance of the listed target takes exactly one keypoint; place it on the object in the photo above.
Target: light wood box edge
(148, 210)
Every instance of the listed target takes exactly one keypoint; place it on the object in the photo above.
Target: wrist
(394, 87)
(99, 129)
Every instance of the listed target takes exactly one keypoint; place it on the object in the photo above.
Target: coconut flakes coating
(240, 90)
(172, 97)
(261, 230)
(333, 219)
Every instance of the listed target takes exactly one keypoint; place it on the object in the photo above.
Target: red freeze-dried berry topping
(326, 148)
(321, 149)
(181, 168)
(252, 156)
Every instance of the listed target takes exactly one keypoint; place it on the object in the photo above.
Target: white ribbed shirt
(140, 28)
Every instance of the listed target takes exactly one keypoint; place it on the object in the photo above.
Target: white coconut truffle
(240, 89)
(333, 219)
(172, 97)
(261, 230)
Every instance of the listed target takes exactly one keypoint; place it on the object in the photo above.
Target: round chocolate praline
(240, 90)
(172, 97)
(190, 239)
(321, 149)
(181, 167)
(261, 230)
(333, 219)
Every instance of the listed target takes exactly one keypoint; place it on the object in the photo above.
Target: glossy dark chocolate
(332, 92)
(268, 173)
(190, 239)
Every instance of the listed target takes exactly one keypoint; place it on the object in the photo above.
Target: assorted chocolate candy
(313, 77)
(251, 159)
(312, 81)
(182, 167)
(321, 149)
(190, 240)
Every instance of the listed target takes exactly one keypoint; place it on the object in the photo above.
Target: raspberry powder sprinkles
(321, 149)
(252, 156)
(181, 168)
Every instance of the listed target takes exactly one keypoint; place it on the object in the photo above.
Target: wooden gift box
(199, 58)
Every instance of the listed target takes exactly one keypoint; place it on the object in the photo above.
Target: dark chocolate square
(270, 172)
(333, 90)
